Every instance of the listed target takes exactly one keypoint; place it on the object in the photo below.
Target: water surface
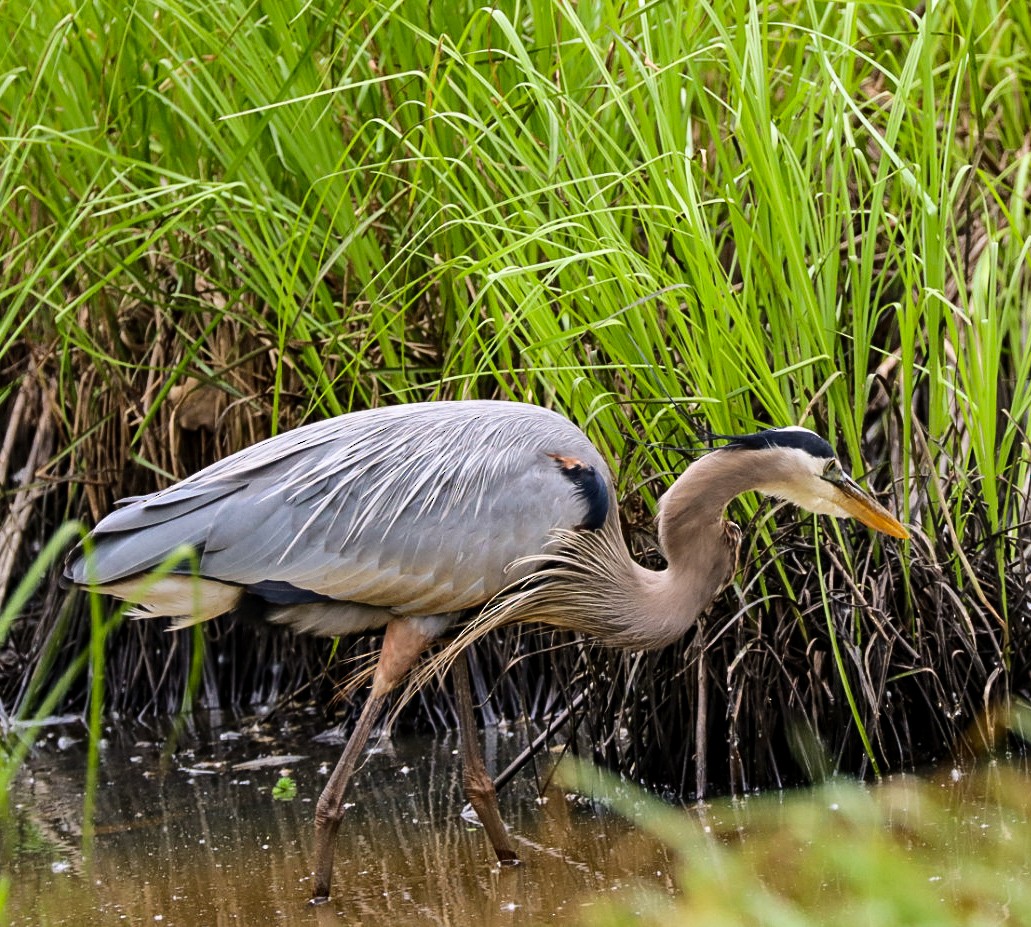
(185, 831)
(185, 836)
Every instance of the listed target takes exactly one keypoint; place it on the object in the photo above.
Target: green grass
(665, 219)
(941, 850)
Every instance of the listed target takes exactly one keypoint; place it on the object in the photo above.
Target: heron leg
(330, 808)
(479, 787)
(403, 642)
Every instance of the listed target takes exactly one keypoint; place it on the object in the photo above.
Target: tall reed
(669, 221)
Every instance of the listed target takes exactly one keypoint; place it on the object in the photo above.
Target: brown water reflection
(184, 839)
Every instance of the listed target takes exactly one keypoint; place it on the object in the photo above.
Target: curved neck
(700, 546)
(695, 503)
(591, 584)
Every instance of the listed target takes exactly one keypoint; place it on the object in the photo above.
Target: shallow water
(185, 831)
(185, 836)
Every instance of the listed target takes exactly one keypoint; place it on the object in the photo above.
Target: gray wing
(418, 508)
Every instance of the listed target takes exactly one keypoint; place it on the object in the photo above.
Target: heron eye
(832, 470)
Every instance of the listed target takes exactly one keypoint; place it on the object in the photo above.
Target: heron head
(801, 468)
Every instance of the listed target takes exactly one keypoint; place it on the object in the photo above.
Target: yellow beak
(863, 508)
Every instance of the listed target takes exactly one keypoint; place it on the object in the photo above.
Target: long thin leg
(330, 807)
(479, 788)
(403, 642)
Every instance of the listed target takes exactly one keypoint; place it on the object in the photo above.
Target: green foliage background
(665, 219)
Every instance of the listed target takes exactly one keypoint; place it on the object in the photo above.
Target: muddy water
(187, 836)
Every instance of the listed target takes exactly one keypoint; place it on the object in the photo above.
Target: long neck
(692, 508)
(701, 548)
(589, 583)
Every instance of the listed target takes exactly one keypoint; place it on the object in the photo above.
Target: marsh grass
(950, 848)
(668, 221)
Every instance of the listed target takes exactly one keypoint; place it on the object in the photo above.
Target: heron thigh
(404, 641)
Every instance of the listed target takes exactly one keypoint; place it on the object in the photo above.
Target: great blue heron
(411, 518)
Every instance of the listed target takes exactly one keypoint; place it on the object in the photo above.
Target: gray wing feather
(417, 508)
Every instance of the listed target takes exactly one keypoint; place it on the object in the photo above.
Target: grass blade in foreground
(907, 851)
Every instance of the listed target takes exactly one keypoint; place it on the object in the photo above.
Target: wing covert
(417, 508)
